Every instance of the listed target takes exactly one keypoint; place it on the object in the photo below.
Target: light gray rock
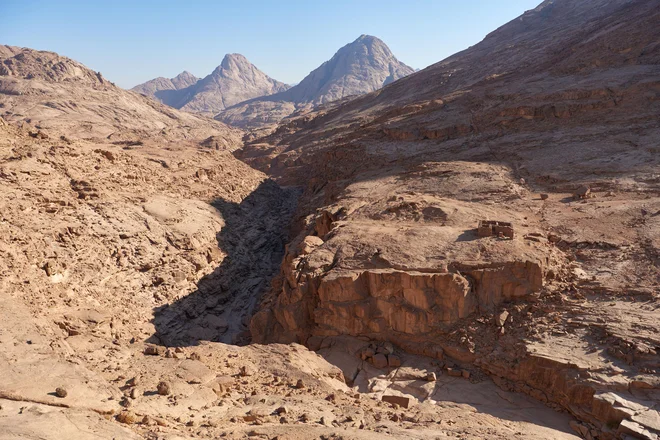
(234, 80)
(167, 90)
(360, 67)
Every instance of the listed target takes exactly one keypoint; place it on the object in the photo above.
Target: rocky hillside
(128, 274)
(53, 93)
(364, 65)
(234, 80)
(167, 90)
(360, 67)
(472, 251)
(546, 132)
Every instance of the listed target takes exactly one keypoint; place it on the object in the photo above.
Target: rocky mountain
(131, 259)
(166, 90)
(497, 209)
(360, 67)
(363, 66)
(234, 80)
(472, 251)
(54, 93)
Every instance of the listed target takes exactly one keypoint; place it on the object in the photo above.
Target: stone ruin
(489, 228)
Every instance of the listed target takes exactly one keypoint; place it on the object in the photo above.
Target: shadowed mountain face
(363, 66)
(234, 80)
(166, 90)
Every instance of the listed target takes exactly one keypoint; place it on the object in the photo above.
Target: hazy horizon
(164, 38)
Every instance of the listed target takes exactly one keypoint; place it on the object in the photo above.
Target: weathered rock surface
(122, 265)
(561, 101)
(154, 239)
(409, 268)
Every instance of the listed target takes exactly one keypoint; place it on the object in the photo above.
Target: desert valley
(470, 250)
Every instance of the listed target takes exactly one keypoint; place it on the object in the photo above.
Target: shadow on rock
(468, 235)
(253, 241)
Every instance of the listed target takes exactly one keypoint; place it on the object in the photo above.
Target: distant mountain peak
(185, 74)
(362, 66)
(368, 38)
(233, 58)
(234, 63)
(359, 67)
(233, 81)
(183, 80)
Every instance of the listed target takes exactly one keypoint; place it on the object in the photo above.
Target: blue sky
(133, 41)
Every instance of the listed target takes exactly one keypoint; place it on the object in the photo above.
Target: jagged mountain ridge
(360, 67)
(234, 80)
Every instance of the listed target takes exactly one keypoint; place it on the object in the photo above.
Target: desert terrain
(471, 251)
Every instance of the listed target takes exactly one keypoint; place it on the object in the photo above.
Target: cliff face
(399, 306)
(406, 268)
(549, 124)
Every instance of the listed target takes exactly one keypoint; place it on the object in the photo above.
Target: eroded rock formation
(133, 247)
(561, 101)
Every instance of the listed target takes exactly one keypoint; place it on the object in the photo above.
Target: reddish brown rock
(379, 360)
(393, 361)
(453, 372)
(401, 401)
(163, 388)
